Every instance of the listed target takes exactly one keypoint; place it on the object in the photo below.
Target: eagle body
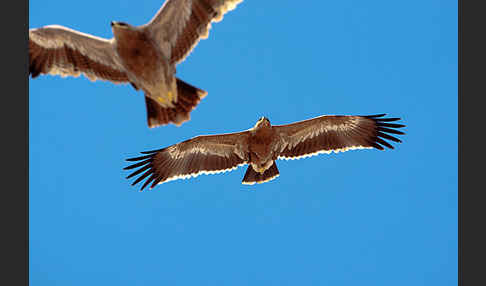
(262, 143)
(143, 60)
(260, 146)
(144, 56)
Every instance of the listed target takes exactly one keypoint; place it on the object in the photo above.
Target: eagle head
(121, 29)
(120, 25)
(262, 122)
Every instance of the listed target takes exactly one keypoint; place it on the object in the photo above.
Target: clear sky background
(363, 217)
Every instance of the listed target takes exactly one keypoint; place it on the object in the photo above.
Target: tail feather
(188, 97)
(252, 177)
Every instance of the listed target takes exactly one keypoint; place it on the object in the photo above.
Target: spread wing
(209, 154)
(338, 133)
(60, 50)
(180, 24)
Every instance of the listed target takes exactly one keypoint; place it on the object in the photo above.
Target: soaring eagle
(144, 56)
(261, 145)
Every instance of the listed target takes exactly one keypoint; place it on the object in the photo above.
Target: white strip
(323, 151)
(51, 37)
(226, 7)
(202, 172)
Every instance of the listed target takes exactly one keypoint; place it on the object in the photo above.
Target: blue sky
(362, 217)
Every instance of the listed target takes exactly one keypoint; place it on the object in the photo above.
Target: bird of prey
(261, 145)
(144, 56)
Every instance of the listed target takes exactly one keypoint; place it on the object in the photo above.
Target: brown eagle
(261, 145)
(144, 56)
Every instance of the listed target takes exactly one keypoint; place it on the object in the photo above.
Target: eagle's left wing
(180, 24)
(208, 154)
(336, 133)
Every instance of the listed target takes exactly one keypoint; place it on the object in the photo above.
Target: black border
(15, 134)
(472, 92)
(459, 143)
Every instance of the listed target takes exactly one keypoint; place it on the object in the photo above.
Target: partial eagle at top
(144, 56)
(261, 145)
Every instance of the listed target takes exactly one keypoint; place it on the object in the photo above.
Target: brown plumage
(261, 145)
(144, 56)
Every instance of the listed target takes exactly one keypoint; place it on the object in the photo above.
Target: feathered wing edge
(384, 129)
(342, 142)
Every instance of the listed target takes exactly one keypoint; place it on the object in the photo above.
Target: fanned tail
(252, 177)
(188, 97)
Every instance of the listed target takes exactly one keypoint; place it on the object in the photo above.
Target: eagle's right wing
(66, 52)
(208, 154)
(180, 24)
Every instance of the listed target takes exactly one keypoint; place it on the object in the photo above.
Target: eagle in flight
(261, 145)
(144, 56)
